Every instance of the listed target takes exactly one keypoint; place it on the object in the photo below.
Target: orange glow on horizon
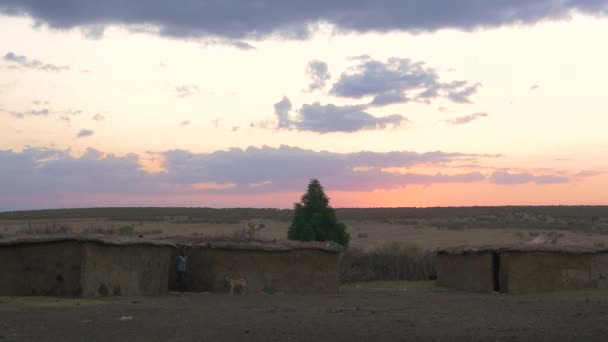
(590, 191)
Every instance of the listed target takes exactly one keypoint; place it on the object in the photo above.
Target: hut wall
(127, 270)
(294, 271)
(599, 270)
(527, 272)
(48, 269)
(471, 272)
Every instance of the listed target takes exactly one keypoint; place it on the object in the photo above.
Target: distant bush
(250, 233)
(47, 229)
(126, 230)
(392, 261)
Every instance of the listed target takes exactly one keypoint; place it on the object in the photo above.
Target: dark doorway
(496, 271)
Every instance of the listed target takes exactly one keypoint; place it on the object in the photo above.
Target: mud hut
(83, 266)
(288, 267)
(523, 269)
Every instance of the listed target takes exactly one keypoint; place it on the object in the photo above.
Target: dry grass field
(365, 234)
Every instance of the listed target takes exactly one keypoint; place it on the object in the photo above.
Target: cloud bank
(251, 19)
(255, 170)
(505, 177)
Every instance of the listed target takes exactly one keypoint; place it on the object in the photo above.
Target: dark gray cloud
(184, 91)
(281, 110)
(318, 73)
(84, 133)
(238, 44)
(399, 80)
(389, 97)
(93, 31)
(505, 177)
(461, 91)
(331, 118)
(23, 62)
(244, 19)
(461, 120)
(241, 45)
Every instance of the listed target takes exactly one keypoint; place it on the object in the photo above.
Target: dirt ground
(365, 234)
(396, 312)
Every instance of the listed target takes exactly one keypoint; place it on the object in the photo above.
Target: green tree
(315, 220)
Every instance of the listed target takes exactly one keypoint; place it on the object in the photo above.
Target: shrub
(249, 233)
(126, 230)
(392, 261)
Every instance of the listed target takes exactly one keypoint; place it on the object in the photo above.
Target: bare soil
(397, 312)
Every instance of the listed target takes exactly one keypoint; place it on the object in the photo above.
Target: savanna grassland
(370, 228)
(387, 244)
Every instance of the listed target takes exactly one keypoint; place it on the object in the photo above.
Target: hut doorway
(496, 271)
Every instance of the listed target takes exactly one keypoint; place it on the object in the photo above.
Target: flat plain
(379, 311)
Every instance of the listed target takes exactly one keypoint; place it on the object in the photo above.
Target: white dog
(234, 282)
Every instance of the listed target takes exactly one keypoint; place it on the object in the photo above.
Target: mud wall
(545, 271)
(293, 271)
(599, 270)
(125, 270)
(471, 272)
(44, 269)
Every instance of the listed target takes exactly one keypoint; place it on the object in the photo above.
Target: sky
(240, 103)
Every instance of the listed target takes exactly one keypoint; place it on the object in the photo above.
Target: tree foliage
(315, 220)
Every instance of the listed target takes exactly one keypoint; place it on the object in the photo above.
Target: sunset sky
(239, 103)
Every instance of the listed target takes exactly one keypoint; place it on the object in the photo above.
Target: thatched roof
(462, 250)
(269, 246)
(255, 245)
(272, 247)
(105, 240)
